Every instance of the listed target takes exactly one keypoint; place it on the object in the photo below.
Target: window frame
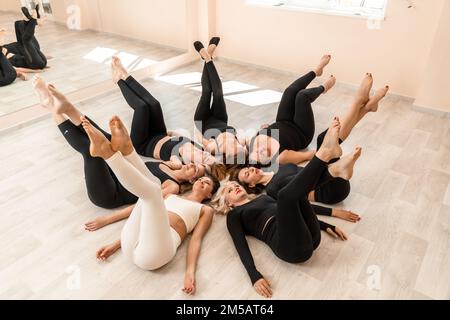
(278, 5)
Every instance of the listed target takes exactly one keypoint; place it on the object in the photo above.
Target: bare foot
(120, 140)
(213, 43)
(205, 55)
(62, 105)
(330, 148)
(118, 70)
(97, 224)
(329, 83)
(372, 105)
(41, 89)
(309, 155)
(344, 167)
(100, 146)
(323, 63)
(365, 88)
(22, 76)
(41, 21)
(212, 50)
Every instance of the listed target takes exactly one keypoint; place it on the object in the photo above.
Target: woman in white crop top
(156, 226)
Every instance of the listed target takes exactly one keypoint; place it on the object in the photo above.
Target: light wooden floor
(69, 70)
(401, 189)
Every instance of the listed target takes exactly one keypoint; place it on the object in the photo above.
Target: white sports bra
(187, 210)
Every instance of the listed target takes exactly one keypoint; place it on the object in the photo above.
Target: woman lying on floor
(211, 120)
(103, 187)
(336, 189)
(294, 128)
(287, 225)
(148, 130)
(26, 52)
(333, 191)
(157, 225)
(9, 73)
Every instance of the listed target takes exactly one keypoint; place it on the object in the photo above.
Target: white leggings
(147, 238)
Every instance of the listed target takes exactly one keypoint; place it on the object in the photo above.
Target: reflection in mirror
(69, 43)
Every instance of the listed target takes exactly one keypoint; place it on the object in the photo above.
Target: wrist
(190, 272)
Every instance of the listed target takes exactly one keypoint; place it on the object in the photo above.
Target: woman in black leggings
(148, 130)
(103, 188)
(295, 120)
(294, 128)
(287, 225)
(7, 72)
(27, 51)
(211, 121)
(329, 190)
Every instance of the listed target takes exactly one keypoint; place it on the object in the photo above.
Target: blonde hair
(219, 203)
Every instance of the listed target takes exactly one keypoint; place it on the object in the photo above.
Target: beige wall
(10, 5)
(435, 90)
(159, 21)
(293, 41)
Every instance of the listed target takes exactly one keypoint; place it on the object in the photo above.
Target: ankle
(126, 151)
(108, 152)
(332, 171)
(324, 155)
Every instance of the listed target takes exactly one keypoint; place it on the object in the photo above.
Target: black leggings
(295, 233)
(215, 116)
(295, 106)
(148, 125)
(337, 189)
(26, 50)
(103, 188)
(7, 72)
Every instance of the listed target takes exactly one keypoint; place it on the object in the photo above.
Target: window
(31, 4)
(374, 9)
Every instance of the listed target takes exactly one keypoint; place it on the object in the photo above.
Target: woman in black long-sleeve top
(287, 225)
(329, 190)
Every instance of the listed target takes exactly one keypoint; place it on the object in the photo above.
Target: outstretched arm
(333, 231)
(235, 228)
(105, 252)
(194, 248)
(114, 217)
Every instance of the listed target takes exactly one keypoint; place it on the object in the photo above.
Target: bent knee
(151, 261)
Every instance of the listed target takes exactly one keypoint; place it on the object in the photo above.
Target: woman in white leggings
(156, 226)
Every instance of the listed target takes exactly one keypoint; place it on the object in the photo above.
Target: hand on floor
(189, 284)
(262, 287)
(346, 215)
(337, 233)
(105, 252)
(96, 224)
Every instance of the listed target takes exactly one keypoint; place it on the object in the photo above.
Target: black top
(154, 168)
(172, 147)
(250, 219)
(288, 135)
(282, 178)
